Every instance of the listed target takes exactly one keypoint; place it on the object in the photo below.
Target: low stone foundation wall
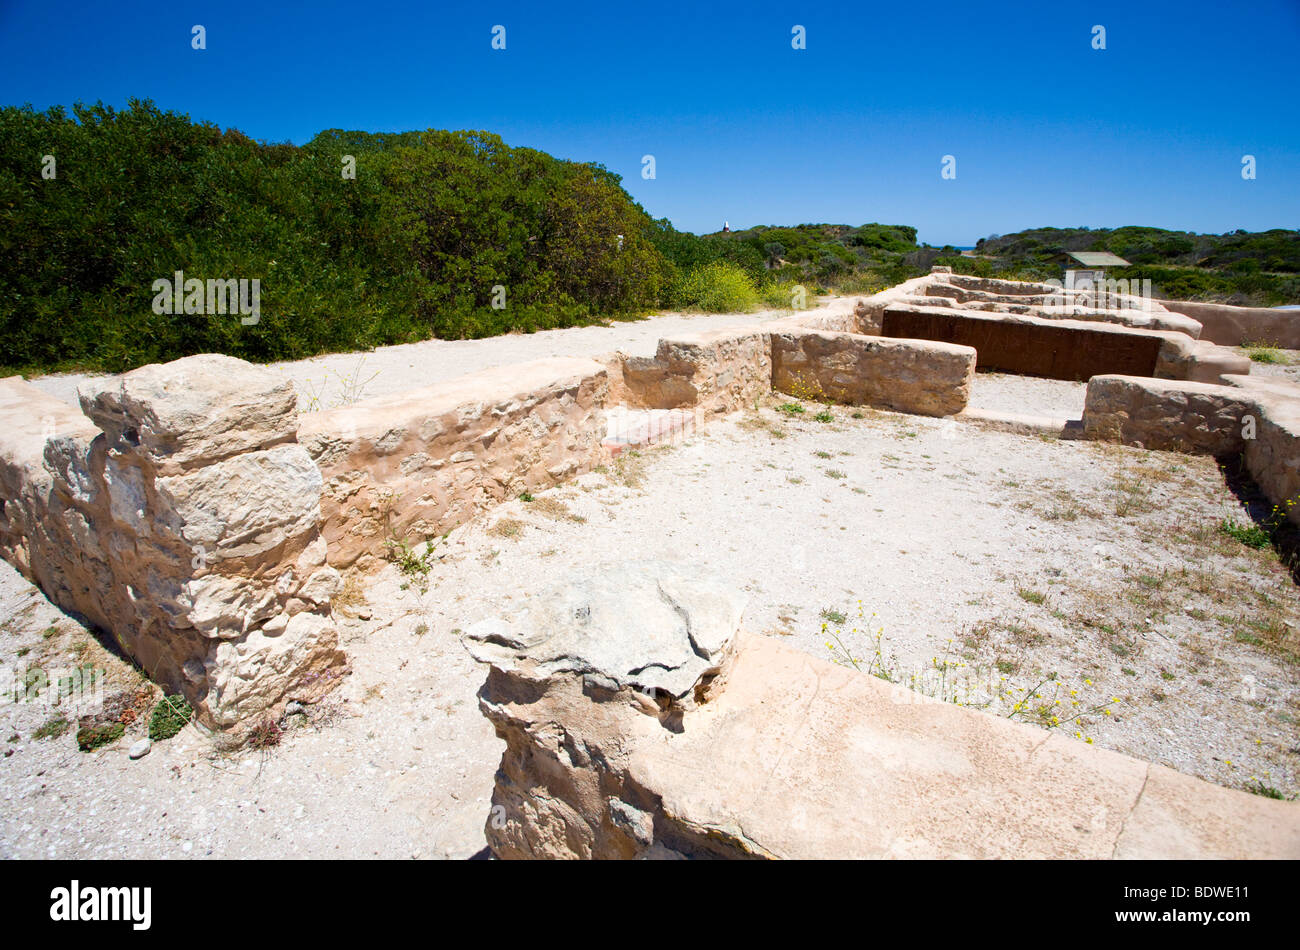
(640, 724)
(1033, 347)
(1233, 326)
(1061, 348)
(1165, 414)
(412, 466)
(1042, 330)
(1260, 417)
(188, 528)
(1273, 456)
(917, 376)
(720, 371)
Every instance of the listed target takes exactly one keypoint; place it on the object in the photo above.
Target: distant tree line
(1240, 267)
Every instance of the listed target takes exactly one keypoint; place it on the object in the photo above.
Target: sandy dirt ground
(1055, 398)
(327, 382)
(1015, 568)
(338, 379)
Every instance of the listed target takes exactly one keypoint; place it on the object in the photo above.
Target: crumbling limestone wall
(416, 464)
(1259, 417)
(185, 522)
(1233, 326)
(630, 736)
(918, 376)
(29, 419)
(1273, 455)
(1039, 329)
(1061, 348)
(719, 371)
(870, 312)
(1166, 414)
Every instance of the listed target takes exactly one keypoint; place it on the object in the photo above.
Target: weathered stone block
(1167, 414)
(905, 375)
(720, 371)
(776, 754)
(193, 411)
(419, 463)
(192, 522)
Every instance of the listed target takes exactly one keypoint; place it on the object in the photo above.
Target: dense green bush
(718, 287)
(410, 248)
(780, 295)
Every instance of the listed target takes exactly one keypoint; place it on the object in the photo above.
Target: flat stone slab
(784, 755)
(684, 622)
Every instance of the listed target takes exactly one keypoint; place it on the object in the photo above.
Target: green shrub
(52, 728)
(781, 295)
(1264, 353)
(92, 737)
(1251, 535)
(718, 287)
(410, 248)
(170, 716)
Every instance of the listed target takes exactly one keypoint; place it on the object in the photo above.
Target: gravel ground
(1288, 366)
(1057, 398)
(987, 558)
(397, 763)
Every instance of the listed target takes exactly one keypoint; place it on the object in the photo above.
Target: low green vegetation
(1267, 791)
(53, 727)
(1251, 535)
(92, 737)
(170, 715)
(1241, 267)
(1031, 596)
(1265, 353)
(411, 562)
(716, 287)
(364, 239)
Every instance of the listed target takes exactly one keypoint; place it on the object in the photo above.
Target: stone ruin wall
(181, 516)
(417, 464)
(1247, 415)
(1234, 326)
(191, 512)
(412, 466)
(1032, 328)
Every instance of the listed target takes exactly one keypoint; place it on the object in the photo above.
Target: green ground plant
(170, 715)
(1047, 700)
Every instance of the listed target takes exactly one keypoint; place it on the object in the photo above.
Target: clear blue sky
(1045, 129)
